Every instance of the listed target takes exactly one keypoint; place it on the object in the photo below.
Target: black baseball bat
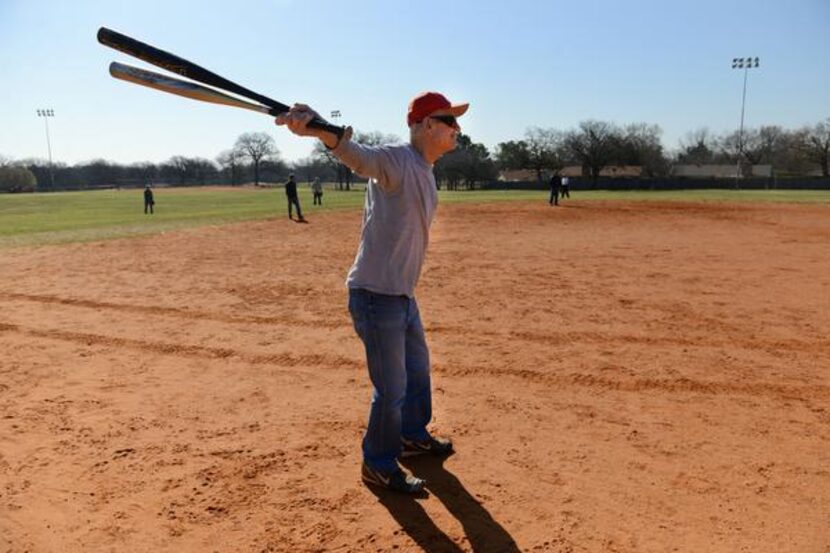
(188, 69)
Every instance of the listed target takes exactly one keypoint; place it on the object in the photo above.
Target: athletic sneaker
(440, 447)
(397, 480)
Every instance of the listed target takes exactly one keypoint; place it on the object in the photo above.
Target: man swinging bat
(400, 204)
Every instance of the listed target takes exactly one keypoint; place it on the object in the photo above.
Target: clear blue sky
(519, 63)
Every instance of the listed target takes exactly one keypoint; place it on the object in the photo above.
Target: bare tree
(203, 170)
(231, 162)
(697, 147)
(257, 146)
(544, 150)
(593, 145)
(788, 156)
(145, 171)
(729, 146)
(754, 145)
(541, 150)
(815, 144)
(772, 139)
(640, 145)
(177, 166)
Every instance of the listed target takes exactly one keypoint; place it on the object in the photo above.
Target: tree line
(593, 146)
(254, 158)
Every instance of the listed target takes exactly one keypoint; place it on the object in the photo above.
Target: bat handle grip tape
(322, 125)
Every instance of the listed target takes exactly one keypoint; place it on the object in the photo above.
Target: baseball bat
(180, 87)
(188, 69)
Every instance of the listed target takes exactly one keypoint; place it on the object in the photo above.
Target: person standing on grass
(149, 201)
(565, 192)
(401, 199)
(293, 198)
(317, 191)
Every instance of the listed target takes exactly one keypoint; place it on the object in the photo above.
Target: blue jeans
(398, 360)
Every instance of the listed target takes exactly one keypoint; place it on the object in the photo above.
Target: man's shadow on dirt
(482, 531)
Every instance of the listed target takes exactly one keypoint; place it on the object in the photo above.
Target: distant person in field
(554, 190)
(293, 198)
(400, 203)
(566, 188)
(317, 191)
(149, 201)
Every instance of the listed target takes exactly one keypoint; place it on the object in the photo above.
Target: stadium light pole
(746, 64)
(46, 114)
(335, 114)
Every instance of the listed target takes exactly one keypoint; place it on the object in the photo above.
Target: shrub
(17, 179)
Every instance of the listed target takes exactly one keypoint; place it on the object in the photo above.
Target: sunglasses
(448, 120)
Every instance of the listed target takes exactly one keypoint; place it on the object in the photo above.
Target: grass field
(65, 217)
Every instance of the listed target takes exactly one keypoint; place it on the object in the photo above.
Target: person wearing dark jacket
(293, 198)
(149, 201)
(554, 190)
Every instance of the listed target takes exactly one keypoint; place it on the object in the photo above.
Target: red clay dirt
(617, 377)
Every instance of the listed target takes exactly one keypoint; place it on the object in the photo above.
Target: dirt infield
(617, 377)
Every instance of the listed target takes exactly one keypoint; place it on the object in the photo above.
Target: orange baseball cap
(427, 103)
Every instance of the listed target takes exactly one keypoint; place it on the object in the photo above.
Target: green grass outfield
(63, 217)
